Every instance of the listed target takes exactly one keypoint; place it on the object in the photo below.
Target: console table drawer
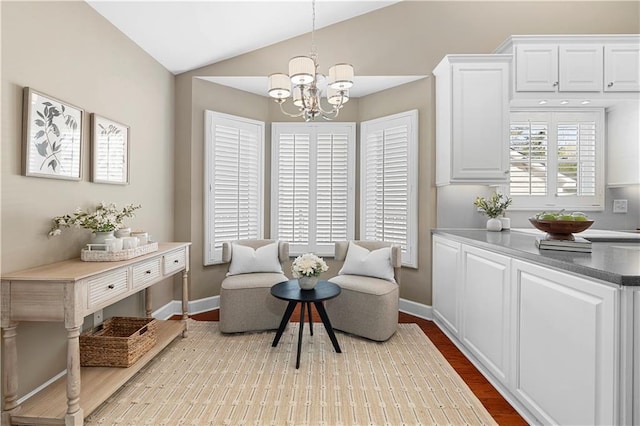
(174, 261)
(146, 272)
(107, 286)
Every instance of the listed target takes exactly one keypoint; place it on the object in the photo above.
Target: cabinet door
(480, 123)
(537, 68)
(636, 359)
(445, 282)
(580, 68)
(565, 330)
(485, 308)
(622, 68)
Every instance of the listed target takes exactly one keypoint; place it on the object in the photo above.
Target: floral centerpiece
(105, 218)
(495, 206)
(307, 268)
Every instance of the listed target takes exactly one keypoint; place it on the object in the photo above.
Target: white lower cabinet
(636, 357)
(548, 340)
(565, 354)
(485, 308)
(446, 282)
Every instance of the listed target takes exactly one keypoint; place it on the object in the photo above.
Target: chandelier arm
(281, 102)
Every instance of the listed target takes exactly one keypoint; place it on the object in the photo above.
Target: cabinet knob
(147, 272)
(110, 286)
(610, 84)
(176, 261)
(555, 83)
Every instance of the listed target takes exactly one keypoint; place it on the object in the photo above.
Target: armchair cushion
(374, 263)
(247, 260)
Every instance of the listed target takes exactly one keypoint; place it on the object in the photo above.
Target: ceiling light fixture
(543, 102)
(585, 102)
(564, 102)
(304, 77)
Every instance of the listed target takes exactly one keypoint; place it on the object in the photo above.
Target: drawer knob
(610, 84)
(176, 261)
(148, 272)
(111, 286)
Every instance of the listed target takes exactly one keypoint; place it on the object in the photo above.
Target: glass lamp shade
(333, 96)
(341, 76)
(302, 70)
(279, 86)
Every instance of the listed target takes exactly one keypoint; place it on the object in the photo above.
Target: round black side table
(292, 293)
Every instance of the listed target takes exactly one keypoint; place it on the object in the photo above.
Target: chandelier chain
(314, 50)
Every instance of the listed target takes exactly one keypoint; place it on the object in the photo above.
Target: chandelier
(305, 79)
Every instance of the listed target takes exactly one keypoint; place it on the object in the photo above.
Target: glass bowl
(561, 229)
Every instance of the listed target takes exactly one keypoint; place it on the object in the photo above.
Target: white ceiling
(185, 35)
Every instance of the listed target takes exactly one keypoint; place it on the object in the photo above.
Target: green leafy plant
(495, 206)
(105, 218)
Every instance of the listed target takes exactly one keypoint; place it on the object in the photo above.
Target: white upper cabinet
(537, 68)
(580, 68)
(559, 68)
(472, 119)
(574, 67)
(622, 68)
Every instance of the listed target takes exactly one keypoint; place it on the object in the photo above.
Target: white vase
(505, 222)
(494, 224)
(102, 237)
(307, 283)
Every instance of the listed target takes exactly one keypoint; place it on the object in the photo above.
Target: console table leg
(185, 299)
(147, 302)
(74, 412)
(10, 370)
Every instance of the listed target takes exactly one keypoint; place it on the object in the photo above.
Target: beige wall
(408, 38)
(68, 51)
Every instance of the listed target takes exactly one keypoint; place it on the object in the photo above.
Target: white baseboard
(416, 309)
(195, 307)
(211, 303)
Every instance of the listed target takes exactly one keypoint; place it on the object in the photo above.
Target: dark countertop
(614, 262)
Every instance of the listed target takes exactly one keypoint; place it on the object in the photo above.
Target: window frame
(211, 255)
(409, 256)
(313, 129)
(554, 116)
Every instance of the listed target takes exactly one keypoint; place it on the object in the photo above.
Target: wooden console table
(67, 292)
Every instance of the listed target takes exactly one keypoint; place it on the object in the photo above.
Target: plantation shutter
(557, 160)
(528, 157)
(313, 185)
(388, 182)
(234, 157)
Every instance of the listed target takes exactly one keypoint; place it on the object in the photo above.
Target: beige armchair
(367, 306)
(246, 303)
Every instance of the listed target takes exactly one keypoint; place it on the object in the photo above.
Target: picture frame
(109, 151)
(52, 137)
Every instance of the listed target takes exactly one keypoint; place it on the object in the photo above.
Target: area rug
(214, 379)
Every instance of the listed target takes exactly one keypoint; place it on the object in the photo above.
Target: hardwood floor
(497, 406)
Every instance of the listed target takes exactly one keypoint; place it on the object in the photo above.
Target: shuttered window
(313, 182)
(234, 152)
(557, 160)
(389, 181)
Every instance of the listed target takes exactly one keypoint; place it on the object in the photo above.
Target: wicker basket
(118, 342)
(116, 256)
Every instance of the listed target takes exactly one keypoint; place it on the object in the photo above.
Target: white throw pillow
(246, 260)
(376, 263)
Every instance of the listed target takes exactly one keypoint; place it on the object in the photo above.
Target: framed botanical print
(110, 151)
(51, 137)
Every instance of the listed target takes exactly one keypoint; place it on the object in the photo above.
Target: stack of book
(579, 244)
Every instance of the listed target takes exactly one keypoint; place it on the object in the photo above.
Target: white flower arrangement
(105, 218)
(308, 265)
